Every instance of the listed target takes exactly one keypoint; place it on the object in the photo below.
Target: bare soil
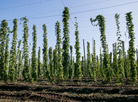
(68, 91)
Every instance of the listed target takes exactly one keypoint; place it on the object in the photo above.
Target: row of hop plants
(58, 64)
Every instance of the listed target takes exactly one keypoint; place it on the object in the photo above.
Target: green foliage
(95, 70)
(13, 69)
(19, 58)
(59, 68)
(124, 60)
(26, 70)
(115, 60)
(6, 63)
(78, 55)
(97, 67)
(111, 59)
(3, 35)
(118, 32)
(20, 63)
(128, 65)
(120, 67)
(120, 70)
(55, 64)
(137, 59)
(59, 64)
(101, 65)
(71, 66)
(46, 71)
(50, 61)
(83, 66)
(39, 62)
(89, 71)
(106, 63)
(130, 28)
(111, 65)
(66, 39)
(34, 60)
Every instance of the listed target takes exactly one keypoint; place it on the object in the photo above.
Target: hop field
(56, 75)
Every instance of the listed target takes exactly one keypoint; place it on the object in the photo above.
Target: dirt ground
(68, 91)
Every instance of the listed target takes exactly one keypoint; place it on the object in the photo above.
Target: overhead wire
(74, 12)
(24, 5)
(74, 6)
(90, 3)
(105, 7)
(83, 11)
(47, 1)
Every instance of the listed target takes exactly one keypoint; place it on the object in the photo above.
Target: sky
(48, 12)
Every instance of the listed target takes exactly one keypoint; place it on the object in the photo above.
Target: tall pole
(92, 53)
(85, 59)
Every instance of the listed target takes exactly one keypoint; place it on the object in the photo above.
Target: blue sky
(47, 12)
